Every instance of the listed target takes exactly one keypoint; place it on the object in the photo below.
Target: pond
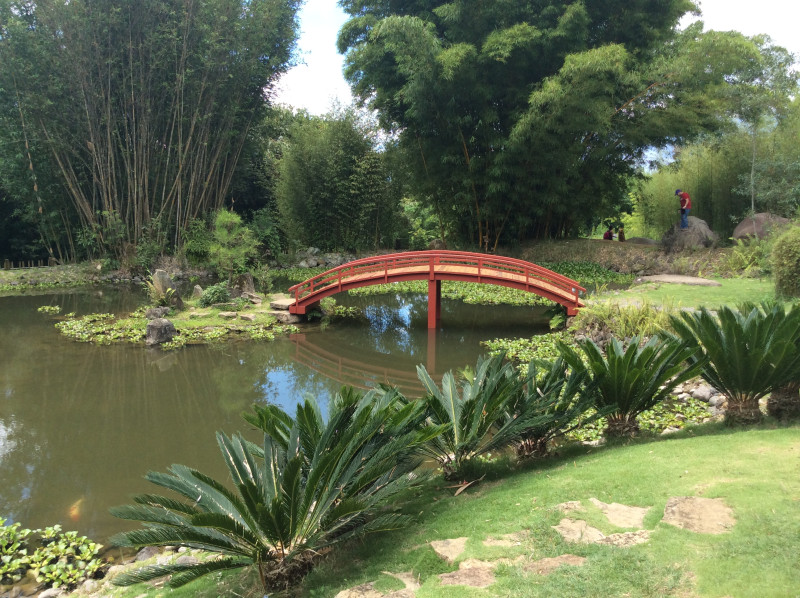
(81, 424)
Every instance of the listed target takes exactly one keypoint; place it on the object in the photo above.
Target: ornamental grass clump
(628, 381)
(746, 353)
(311, 485)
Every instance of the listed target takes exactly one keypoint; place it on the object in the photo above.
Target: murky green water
(81, 424)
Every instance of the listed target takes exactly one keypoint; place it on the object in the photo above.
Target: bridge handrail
(385, 263)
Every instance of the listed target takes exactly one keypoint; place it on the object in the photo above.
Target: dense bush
(786, 263)
(218, 293)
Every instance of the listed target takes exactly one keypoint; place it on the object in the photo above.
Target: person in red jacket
(686, 205)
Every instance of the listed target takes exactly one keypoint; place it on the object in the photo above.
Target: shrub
(197, 242)
(481, 411)
(628, 381)
(786, 263)
(233, 245)
(218, 293)
(312, 485)
(748, 353)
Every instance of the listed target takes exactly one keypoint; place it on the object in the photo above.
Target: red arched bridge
(436, 266)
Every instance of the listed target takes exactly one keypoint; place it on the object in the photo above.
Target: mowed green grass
(732, 291)
(756, 473)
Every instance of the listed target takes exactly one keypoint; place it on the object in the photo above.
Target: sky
(317, 82)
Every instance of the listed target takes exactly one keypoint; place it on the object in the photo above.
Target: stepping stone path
(693, 513)
(698, 514)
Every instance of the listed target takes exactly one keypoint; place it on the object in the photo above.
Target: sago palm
(312, 484)
(473, 411)
(749, 352)
(559, 397)
(628, 381)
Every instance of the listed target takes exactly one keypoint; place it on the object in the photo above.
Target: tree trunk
(784, 402)
(743, 413)
(621, 426)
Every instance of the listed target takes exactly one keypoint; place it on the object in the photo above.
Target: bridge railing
(479, 265)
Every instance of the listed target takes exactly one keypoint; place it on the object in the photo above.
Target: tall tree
(143, 105)
(528, 118)
(334, 187)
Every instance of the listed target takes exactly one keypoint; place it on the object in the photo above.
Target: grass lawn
(756, 472)
(758, 556)
(731, 291)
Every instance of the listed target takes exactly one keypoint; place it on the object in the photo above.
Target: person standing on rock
(686, 205)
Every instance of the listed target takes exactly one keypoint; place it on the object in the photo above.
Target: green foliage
(628, 381)
(335, 191)
(218, 293)
(62, 559)
(162, 138)
(197, 240)
(560, 398)
(749, 257)
(49, 309)
(264, 226)
(524, 120)
(643, 319)
(745, 354)
(314, 484)
(102, 329)
(522, 351)
(233, 245)
(786, 263)
(481, 411)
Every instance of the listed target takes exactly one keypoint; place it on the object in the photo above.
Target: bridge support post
(434, 303)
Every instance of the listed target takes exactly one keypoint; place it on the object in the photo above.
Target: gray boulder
(159, 331)
(437, 244)
(242, 284)
(697, 235)
(197, 292)
(162, 282)
(758, 226)
(156, 312)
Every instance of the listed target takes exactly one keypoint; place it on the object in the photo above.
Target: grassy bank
(755, 556)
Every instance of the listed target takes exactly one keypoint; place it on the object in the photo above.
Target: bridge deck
(436, 266)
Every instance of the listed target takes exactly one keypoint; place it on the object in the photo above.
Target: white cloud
(317, 83)
(776, 18)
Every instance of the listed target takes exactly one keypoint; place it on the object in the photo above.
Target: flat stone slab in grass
(621, 515)
(576, 530)
(472, 573)
(547, 565)
(228, 315)
(365, 590)
(626, 539)
(678, 279)
(248, 317)
(569, 506)
(449, 550)
(698, 514)
(504, 541)
(281, 303)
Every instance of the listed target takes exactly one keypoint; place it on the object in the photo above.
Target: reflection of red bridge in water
(436, 266)
(352, 372)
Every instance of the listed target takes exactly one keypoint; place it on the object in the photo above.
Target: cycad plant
(627, 381)
(748, 352)
(473, 411)
(561, 400)
(313, 484)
